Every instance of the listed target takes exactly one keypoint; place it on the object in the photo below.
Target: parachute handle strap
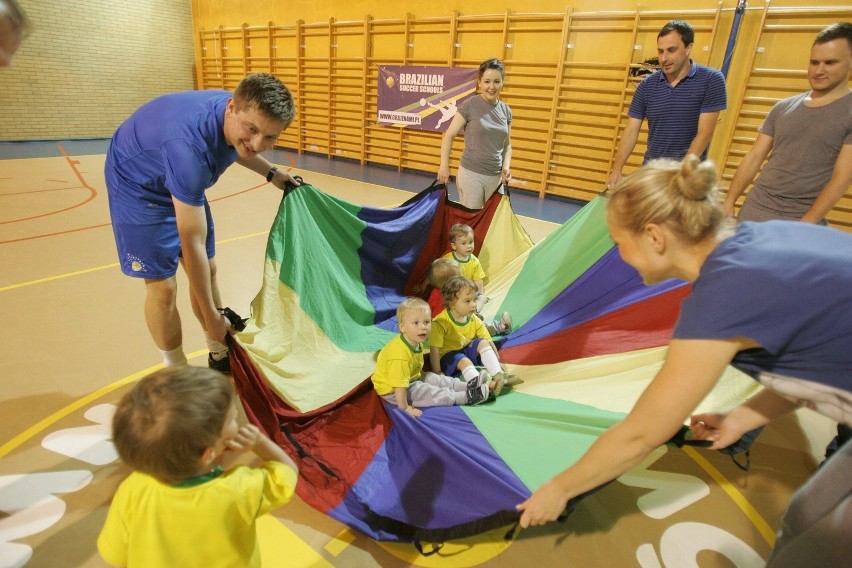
(290, 186)
(510, 534)
(435, 548)
(746, 465)
(305, 455)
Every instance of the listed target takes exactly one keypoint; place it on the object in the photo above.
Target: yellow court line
(107, 266)
(78, 404)
(57, 277)
(738, 498)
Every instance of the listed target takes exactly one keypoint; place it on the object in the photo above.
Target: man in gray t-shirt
(810, 139)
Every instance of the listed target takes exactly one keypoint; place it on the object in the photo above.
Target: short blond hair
(442, 269)
(409, 305)
(460, 230)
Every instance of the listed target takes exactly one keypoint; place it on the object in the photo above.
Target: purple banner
(425, 98)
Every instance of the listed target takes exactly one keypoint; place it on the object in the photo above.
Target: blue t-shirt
(173, 145)
(673, 112)
(786, 285)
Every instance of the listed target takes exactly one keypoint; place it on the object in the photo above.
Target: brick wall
(88, 64)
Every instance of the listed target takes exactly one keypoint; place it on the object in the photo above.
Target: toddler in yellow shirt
(399, 378)
(182, 506)
(459, 339)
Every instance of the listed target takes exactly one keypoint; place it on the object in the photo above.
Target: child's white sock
(217, 350)
(174, 358)
(470, 373)
(490, 361)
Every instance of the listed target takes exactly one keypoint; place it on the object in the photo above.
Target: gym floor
(74, 338)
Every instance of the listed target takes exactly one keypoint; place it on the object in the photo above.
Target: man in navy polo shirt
(682, 102)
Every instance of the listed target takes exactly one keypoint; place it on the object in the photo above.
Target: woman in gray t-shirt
(487, 152)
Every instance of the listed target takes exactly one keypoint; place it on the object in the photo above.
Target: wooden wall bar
(568, 82)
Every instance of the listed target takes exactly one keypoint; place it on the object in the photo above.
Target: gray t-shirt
(486, 133)
(805, 145)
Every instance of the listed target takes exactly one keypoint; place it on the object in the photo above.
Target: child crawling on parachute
(399, 376)
(459, 339)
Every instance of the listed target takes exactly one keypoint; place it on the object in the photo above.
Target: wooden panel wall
(568, 82)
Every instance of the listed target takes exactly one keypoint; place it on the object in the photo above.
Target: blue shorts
(450, 361)
(152, 248)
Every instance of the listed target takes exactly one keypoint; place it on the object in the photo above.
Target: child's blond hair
(409, 305)
(453, 288)
(164, 424)
(460, 230)
(442, 269)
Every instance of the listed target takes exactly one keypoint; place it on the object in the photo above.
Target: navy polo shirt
(673, 112)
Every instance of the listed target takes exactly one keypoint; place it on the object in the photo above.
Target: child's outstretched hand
(413, 412)
(245, 440)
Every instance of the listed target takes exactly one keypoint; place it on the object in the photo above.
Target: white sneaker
(506, 320)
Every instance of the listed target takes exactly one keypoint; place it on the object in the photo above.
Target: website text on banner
(425, 98)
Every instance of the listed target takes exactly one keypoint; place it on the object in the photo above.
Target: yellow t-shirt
(448, 334)
(471, 268)
(398, 364)
(151, 523)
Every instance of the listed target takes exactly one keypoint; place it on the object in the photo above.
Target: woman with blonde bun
(766, 298)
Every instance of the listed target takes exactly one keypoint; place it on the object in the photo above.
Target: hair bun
(696, 180)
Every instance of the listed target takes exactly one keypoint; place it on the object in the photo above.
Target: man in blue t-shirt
(682, 102)
(159, 164)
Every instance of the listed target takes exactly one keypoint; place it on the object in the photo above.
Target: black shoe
(476, 395)
(223, 365)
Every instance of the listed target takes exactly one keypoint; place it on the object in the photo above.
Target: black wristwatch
(271, 173)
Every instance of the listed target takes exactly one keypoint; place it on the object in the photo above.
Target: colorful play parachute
(588, 337)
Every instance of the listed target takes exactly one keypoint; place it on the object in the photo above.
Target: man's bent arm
(706, 126)
(192, 228)
(834, 189)
(261, 165)
(747, 170)
(625, 147)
